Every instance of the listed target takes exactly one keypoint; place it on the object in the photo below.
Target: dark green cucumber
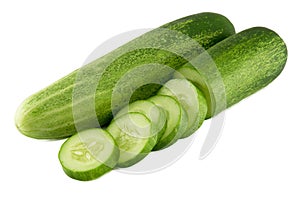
(245, 62)
(50, 112)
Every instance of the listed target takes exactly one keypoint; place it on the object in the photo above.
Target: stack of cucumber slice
(177, 111)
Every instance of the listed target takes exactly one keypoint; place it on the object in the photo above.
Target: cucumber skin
(147, 149)
(247, 62)
(96, 172)
(89, 175)
(202, 107)
(48, 113)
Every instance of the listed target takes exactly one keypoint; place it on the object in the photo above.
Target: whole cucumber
(237, 67)
(50, 113)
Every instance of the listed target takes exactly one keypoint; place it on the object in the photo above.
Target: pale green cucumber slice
(176, 120)
(132, 133)
(191, 99)
(89, 154)
(154, 113)
(191, 74)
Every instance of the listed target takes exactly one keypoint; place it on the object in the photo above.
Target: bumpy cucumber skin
(247, 62)
(96, 172)
(48, 114)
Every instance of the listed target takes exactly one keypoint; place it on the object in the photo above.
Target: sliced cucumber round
(132, 133)
(89, 154)
(191, 99)
(154, 113)
(176, 120)
(191, 74)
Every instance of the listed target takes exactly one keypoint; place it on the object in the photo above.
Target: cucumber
(176, 120)
(88, 154)
(155, 114)
(246, 62)
(191, 99)
(50, 113)
(133, 135)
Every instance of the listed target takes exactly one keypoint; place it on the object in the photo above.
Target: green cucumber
(246, 62)
(176, 120)
(191, 99)
(132, 133)
(50, 113)
(88, 154)
(154, 113)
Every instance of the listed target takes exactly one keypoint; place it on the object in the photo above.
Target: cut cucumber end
(88, 154)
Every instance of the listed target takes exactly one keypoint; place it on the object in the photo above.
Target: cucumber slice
(88, 154)
(132, 133)
(176, 120)
(191, 99)
(155, 114)
(191, 74)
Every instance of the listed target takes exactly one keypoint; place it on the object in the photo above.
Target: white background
(257, 157)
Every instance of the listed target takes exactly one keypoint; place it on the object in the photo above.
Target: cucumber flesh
(176, 120)
(132, 133)
(154, 113)
(190, 73)
(191, 99)
(88, 154)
